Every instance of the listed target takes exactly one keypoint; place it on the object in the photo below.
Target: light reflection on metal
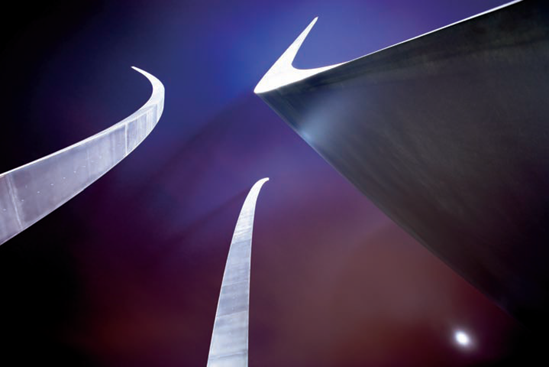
(447, 134)
(32, 191)
(229, 345)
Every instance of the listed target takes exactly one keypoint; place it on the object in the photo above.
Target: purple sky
(128, 273)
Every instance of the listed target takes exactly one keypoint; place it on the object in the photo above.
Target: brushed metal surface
(229, 346)
(32, 191)
(448, 134)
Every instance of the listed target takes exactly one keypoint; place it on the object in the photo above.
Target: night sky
(128, 272)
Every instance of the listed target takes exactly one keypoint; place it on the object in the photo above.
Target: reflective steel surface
(30, 192)
(229, 347)
(446, 133)
(128, 273)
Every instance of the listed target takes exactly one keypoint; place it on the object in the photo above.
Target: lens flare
(462, 338)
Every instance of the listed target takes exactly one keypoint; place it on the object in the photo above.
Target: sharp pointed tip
(311, 25)
(282, 72)
(141, 71)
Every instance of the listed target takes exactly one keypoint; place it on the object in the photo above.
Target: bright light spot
(462, 338)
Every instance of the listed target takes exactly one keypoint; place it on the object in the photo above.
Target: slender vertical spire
(229, 346)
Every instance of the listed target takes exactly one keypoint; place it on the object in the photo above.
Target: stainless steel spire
(229, 346)
(448, 134)
(30, 192)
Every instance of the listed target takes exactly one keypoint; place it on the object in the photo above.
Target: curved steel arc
(32, 191)
(229, 346)
(283, 73)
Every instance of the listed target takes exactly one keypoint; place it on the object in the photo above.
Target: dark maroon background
(128, 272)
